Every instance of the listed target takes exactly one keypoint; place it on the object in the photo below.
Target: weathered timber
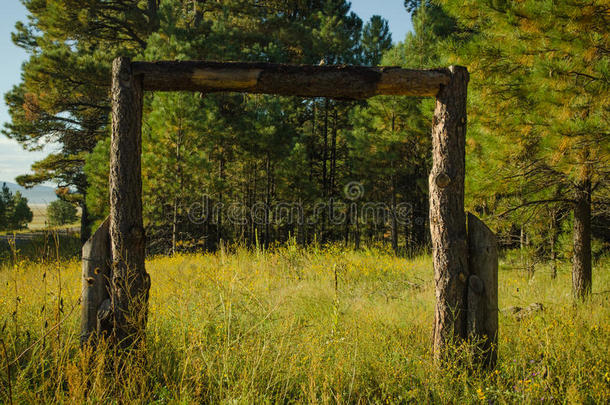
(129, 282)
(447, 218)
(96, 278)
(482, 318)
(339, 82)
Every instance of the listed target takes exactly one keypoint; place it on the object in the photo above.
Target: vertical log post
(129, 283)
(482, 318)
(96, 279)
(447, 218)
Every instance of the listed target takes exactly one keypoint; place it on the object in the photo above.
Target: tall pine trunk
(130, 283)
(333, 153)
(325, 172)
(581, 261)
(553, 241)
(153, 15)
(325, 151)
(268, 202)
(393, 216)
(180, 182)
(175, 227)
(221, 178)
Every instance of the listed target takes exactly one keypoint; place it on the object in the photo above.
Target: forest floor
(287, 325)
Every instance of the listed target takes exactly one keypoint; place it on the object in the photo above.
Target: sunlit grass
(322, 325)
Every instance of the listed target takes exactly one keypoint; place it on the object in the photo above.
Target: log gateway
(115, 282)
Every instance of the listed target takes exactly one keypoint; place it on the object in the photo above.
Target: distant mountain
(35, 195)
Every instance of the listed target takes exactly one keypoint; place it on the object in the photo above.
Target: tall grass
(292, 325)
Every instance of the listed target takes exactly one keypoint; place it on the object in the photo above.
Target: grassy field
(39, 221)
(293, 326)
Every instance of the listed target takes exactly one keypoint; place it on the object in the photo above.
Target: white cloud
(15, 161)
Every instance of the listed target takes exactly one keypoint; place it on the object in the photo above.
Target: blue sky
(15, 161)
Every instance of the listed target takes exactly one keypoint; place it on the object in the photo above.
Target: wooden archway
(115, 281)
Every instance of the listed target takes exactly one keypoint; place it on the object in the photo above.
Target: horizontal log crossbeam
(338, 82)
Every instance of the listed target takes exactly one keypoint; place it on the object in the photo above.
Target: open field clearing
(315, 326)
(40, 216)
(40, 220)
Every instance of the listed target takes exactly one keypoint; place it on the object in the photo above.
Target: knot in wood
(125, 79)
(443, 180)
(475, 284)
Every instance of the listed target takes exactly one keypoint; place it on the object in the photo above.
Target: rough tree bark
(129, 283)
(447, 218)
(581, 261)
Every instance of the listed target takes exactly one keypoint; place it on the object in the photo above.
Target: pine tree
(61, 212)
(63, 95)
(376, 39)
(541, 88)
(14, 211)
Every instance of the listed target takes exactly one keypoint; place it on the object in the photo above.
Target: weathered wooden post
(129, 282)
(447, 218)
(482, 318)
(96, 279)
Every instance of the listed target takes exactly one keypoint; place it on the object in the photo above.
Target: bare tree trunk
(409, 224)
(346, 228)
(153, 15)
(357, 231)
(301, 238)
(129, 283)
(581, 262)
(522, 247)
(323, 224)
(180, 181)
(198, 11)
(312, 139)
(553, 242)
(175, 226)
(268, 202)
(447, 218)
(325, 151)
(394, 213)
(254, 225)
(221, 177)
(393, 217)
(333, 153)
